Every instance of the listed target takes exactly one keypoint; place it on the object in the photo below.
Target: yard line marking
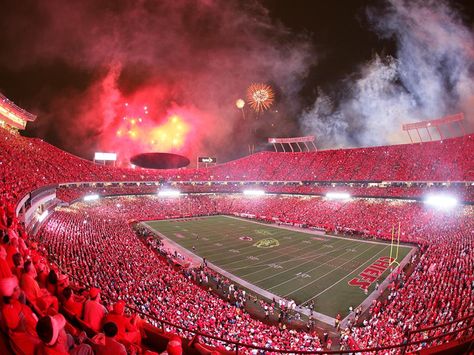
(248, 250)
(314, 268)
(282, 252)
(295, 267)
(230, 241)
(266, 261)
(345, 277)
(264, 264)
(308, 255)
(211, 250)
(330, 272)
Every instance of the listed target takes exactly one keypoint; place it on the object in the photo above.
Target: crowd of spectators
(439, 291)
(98, 246)
(40, 302)
(431, 161)
(464, 192)
(70, 194)
(39, 164)
(95, 244)
(30, 289)
(30, 163)
(77, 238)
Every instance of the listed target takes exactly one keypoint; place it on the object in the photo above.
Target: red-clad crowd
(432, 161)
(95, 243)
(70, 194)
(36, 295)
(439, 291)
(463, 191)
(40, 164)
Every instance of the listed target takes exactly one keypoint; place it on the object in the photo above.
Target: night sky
(349, 72)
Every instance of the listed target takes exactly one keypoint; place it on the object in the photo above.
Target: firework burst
(260, 97)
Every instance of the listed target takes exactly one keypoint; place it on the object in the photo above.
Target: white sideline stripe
(266, 266)
(383, 286)
(329, 272)
(249, 250)
(210, 245)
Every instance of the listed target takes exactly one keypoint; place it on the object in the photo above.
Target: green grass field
(288, 263)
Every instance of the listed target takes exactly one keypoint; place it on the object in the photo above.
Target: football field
(303, 266)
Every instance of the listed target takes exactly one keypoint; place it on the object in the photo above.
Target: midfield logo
(267, 243)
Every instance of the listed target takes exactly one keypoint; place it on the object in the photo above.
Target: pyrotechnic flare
(260, 97)
(240, 105)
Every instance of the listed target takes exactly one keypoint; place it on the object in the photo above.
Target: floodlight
(338, 196)
(43, 216)
(441, 201)
(91, 197)
(169, 193)
(254, 192)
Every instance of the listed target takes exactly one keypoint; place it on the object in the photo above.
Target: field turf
(288, 263)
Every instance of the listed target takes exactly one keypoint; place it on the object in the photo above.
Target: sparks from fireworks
(260, 97)
(240, 104)
(169, 134)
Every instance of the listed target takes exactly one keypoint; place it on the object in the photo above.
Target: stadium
(287, 248)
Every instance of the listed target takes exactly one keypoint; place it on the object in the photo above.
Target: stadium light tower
(169, 193)
(253, 192)
(338, 196)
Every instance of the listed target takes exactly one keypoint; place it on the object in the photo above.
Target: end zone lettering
(371, 273)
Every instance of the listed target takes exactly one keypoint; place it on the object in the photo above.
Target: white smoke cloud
(329, 125)
(431, 76)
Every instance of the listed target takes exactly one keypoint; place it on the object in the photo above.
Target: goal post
(395, 245)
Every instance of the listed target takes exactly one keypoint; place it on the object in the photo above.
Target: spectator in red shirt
(41, 297)
(94, 311)
(18, 317)
(126, 330)
(5, 270)
(108, 345)
(72, 302)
